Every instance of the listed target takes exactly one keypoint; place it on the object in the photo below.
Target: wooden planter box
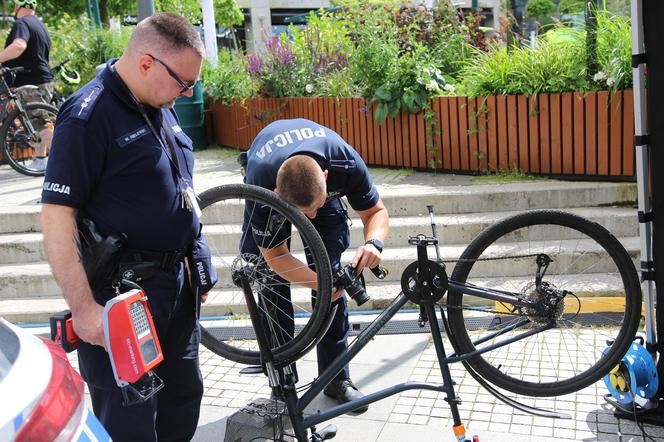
(569, 134)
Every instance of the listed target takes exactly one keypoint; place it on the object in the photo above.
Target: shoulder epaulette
(82, 108)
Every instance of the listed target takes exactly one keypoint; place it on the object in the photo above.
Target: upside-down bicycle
(543, 303)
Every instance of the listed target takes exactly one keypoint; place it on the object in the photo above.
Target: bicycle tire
(225, 326)
(547, 363)
(17, 144)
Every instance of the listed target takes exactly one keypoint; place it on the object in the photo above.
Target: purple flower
(278, 52)
(330, 61)
(254, 64)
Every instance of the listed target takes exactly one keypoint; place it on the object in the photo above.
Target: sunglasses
(185, 86)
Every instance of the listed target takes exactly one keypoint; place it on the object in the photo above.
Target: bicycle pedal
(326, 433)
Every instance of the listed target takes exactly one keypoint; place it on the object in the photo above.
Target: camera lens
(345, 278)
(360, 297)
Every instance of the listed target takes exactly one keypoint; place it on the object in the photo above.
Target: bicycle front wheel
(25, 134)
(581, 265)
(290, 314)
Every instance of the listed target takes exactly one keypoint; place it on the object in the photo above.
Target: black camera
(346, 279)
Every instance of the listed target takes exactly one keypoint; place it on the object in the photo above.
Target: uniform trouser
(330, 222)
(172, 414)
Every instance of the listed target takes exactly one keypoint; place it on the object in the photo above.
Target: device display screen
(139, 318)
(148, 350)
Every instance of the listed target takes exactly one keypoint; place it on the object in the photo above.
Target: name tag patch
(132, 136)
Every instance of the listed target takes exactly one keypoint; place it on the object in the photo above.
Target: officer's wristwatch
(378, 244)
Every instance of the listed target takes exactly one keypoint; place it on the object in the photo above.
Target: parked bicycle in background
(27, 128)
(62, 75)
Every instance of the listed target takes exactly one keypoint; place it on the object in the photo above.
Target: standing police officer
(120, 158)
(312, 167)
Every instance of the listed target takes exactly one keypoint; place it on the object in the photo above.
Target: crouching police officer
(312, 167)
(120, 159)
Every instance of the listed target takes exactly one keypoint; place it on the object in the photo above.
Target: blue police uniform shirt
(347, 173)
(106, 161)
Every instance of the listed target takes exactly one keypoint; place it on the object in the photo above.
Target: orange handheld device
(132, 345)
(62, 331)
(131, 341)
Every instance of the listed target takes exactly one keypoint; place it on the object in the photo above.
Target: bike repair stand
(425, 283)
(634, 384)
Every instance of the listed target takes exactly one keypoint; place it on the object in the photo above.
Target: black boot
(345, 391)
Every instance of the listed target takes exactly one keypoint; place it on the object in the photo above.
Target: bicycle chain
(480, 310)
(489, 259)
(531, 255)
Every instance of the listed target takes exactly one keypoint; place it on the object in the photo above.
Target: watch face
(376, 243)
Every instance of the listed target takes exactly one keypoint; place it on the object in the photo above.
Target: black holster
(100, 256)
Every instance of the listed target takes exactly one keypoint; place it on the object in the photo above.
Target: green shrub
(550, 67)
(570, 7)
(614, 51)
(540, 10)
(321, 50)
(401, 55)
(87, 46)
(229, 80)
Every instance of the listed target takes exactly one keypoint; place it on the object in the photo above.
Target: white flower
(601, 75)
(309, 88)
(610, 81)
(432, 86)
(449, 88)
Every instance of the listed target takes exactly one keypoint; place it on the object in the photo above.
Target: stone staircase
(29, 294)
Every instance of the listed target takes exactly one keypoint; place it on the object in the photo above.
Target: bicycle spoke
(289, 313)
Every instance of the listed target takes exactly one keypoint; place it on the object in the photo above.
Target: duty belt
(164, 260)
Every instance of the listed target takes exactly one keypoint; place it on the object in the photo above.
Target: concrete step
(583, 254)
(14, 219)
(451, 229)
(34, 280)
(229, 300)
(412, 200)
(18, 248)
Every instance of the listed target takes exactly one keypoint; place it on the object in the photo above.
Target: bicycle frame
(296, 406)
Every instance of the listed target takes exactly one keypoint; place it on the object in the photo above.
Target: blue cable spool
(635, 375)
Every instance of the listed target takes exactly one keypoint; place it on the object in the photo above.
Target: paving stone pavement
(419, 414)
(411, 415)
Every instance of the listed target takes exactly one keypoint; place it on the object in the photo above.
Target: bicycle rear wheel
(225, 323)
(24, 133)
(602, 303)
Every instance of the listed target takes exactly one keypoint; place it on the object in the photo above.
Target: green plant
(540, 10)
(276, 70)
(549, 67)
(229, 80)
(86, 45)
(506, 176)
(321, 50)
(614, 51)
(570, 7)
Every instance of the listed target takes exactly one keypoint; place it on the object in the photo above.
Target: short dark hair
(299, 180)
(165, 32)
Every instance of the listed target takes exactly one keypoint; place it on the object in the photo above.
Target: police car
(41, 393)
